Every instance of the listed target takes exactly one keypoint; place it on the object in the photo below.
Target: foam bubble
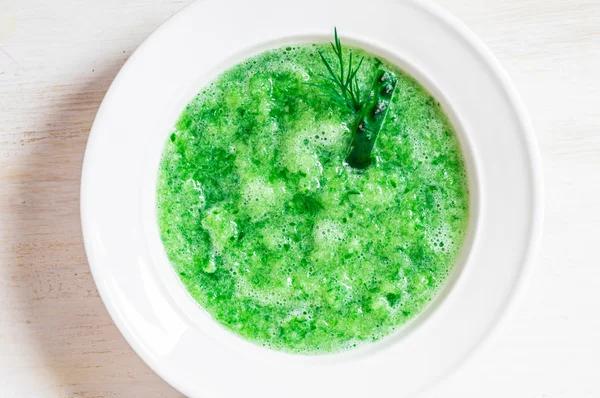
(259, 197)
(328, 233)
(221, 226)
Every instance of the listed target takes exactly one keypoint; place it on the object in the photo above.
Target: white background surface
(57, 59)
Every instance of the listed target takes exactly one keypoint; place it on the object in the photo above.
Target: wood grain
(58, 58)
(57, 62)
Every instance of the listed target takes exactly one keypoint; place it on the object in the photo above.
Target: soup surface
(277, 237)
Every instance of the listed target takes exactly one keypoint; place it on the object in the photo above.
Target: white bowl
(118, 197)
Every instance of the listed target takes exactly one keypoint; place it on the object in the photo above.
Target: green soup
(279, 239)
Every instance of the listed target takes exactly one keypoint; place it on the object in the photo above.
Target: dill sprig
(341, 87)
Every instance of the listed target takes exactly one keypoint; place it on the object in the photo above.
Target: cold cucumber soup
(310, 209)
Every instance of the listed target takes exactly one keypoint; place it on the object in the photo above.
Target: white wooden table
(57, 59)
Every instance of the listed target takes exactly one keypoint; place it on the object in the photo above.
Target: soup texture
(277, 237)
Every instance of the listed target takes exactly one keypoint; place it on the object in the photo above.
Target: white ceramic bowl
(118, 199)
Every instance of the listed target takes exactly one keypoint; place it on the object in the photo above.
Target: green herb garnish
(342, 89)
(371, 120)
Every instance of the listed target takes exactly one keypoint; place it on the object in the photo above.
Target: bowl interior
(168, 276)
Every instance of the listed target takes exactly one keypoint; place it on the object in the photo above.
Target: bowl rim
(506, 86)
